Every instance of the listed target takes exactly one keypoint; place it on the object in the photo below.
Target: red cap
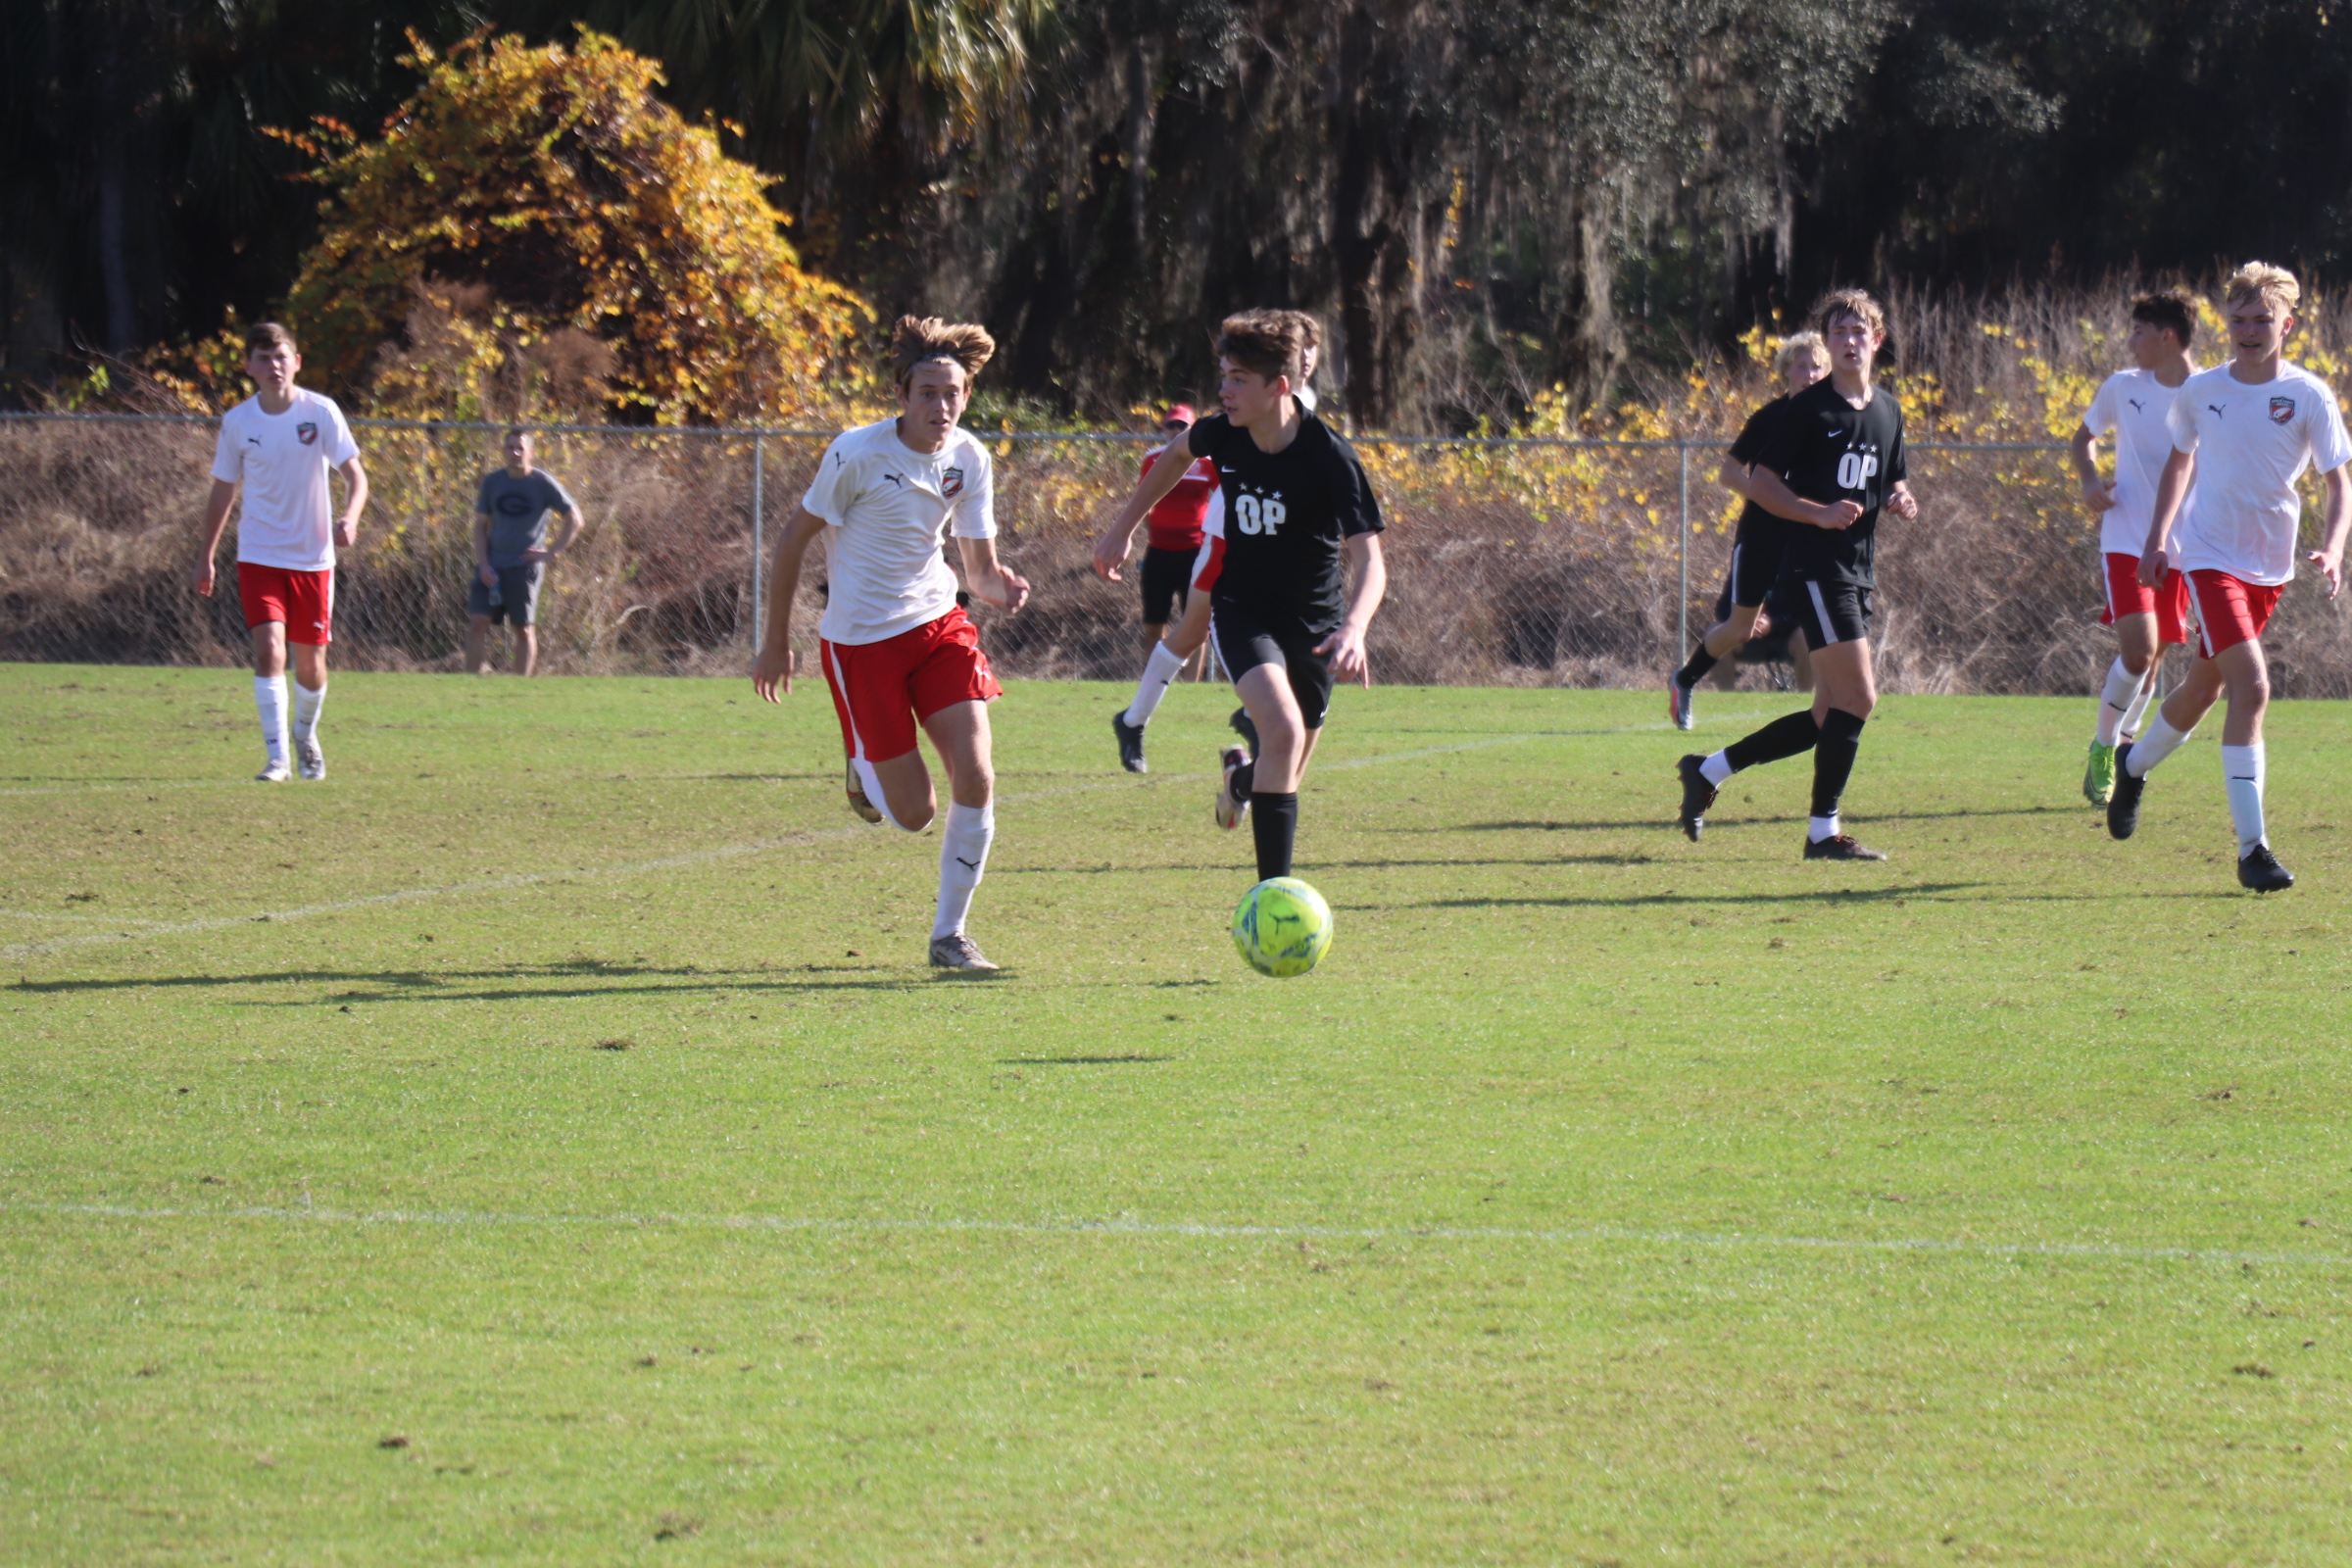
(1181, 410)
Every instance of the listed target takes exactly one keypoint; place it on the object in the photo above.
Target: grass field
(541, 1142)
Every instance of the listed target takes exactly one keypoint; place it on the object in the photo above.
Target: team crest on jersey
(951, 481)
(306, 434)
(2282, 409)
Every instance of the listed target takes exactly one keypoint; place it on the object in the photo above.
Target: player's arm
(1732, 476)
(2173, 484)
(1770, 491)
(216, 523)
(2329, 557)
(774, 666)
(1900, 501)
(1167, 472)
(1344, 648)
(569, 524)
(481, 551)
(2097, 494)
(987, 577)
(355, 502)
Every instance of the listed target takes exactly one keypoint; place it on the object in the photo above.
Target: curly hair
(1796, 343)
(917, 338)
(1854, 302)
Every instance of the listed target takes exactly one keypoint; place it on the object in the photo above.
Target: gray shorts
(518, 586)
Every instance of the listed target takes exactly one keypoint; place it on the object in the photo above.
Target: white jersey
(2134, 405)
(2252, 443)
(888, 506)
(287, 517)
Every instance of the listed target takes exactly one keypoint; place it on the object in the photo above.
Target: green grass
(1602, 1198)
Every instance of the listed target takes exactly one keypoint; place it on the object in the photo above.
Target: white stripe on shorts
(841, 684)
(1821, 613)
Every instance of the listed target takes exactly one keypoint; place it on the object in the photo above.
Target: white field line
(727, 852)
(1188, 1230)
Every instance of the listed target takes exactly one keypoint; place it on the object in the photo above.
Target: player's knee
(2135, 664)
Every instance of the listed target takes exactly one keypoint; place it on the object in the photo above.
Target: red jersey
(1175, 522)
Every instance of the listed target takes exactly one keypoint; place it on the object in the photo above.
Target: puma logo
(968, 866)
(2213, 409)
(2137, 407)
(893, 478)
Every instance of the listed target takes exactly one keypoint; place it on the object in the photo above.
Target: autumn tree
(526, 198)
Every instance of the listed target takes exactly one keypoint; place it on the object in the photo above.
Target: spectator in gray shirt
(511, 552)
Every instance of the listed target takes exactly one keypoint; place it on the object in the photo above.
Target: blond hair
(917, 338)
(1853, 302)
(2275, 286)
(1796, 343)
(1266, 343)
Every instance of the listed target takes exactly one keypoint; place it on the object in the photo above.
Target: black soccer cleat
(1841, 847)
(1131, 743)
(1697, 796)
(2261, 871)
(1245, 728)
(2123, 807)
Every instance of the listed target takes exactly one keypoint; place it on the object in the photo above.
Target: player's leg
(2247, 678)
(2223, 622)
(869, 697)
(1790, 735)
(269, 699)
(519, 587)
(1844, 695)
(2132, 611)
(1163, 590)
(478, 644)
(1270, 783)
(951, 688)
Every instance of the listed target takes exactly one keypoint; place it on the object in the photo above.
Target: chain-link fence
(1512, 561)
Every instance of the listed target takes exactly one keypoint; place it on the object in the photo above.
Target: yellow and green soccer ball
(1282, 927)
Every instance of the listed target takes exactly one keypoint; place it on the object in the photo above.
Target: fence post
(1682, 558)
(758, 591)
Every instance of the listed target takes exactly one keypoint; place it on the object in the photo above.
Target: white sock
(2138, 708)
(2242, 766)
(270, 697)
(1818, 828)
(1162, 667)
(2115, 703)
(1716, 769)
(871, 782)
(306, 703)
(2160, 742)
(963, 857)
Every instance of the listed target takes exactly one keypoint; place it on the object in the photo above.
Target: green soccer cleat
(2098, 779)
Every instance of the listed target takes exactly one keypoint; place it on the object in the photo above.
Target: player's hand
(1904, 505)
(2098, 497)
(1345, 649)
(774, 672)
(1111, 554)
(487, 576)
(2331, 567)
(202, 576)
(347, 533)
(1013, 589)
(532, 557)
(1837, 514)
(2153, 568)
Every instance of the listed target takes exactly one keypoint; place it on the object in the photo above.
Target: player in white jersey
(2134, 404)
(898, 650)
(2244, 431)
(276, 447)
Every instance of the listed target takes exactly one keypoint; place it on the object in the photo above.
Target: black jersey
(1827, 450)
(1287, 514)
(1755, 524)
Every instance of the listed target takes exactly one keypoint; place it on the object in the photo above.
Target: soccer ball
(1282, 927)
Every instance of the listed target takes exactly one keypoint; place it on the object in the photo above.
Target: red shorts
(2229, 612)
(881, 689)
(303, 602)
(2127, 595)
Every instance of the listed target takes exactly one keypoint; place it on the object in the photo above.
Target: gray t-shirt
(518, 510)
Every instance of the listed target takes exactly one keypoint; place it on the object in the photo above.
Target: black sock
(1274, 823)
(1245, 780)
(1785, 736)
(1834, 759)
(1693, 672)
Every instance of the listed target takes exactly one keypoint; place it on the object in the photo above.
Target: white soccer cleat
(958, 951)
(274, 771)
(309, 760)
(1229, 807)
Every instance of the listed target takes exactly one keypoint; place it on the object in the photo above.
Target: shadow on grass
(1079, 1062)
(1922, 890)
(1665, 820)
(499, 985)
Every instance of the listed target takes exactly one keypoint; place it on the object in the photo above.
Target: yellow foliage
(555, 180)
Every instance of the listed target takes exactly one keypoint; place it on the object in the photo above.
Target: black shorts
(517, 586)
(1827, 612)
(1755, 565)
(1247, 640)
(1167, 579)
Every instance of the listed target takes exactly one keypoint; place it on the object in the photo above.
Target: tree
(555, 185)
